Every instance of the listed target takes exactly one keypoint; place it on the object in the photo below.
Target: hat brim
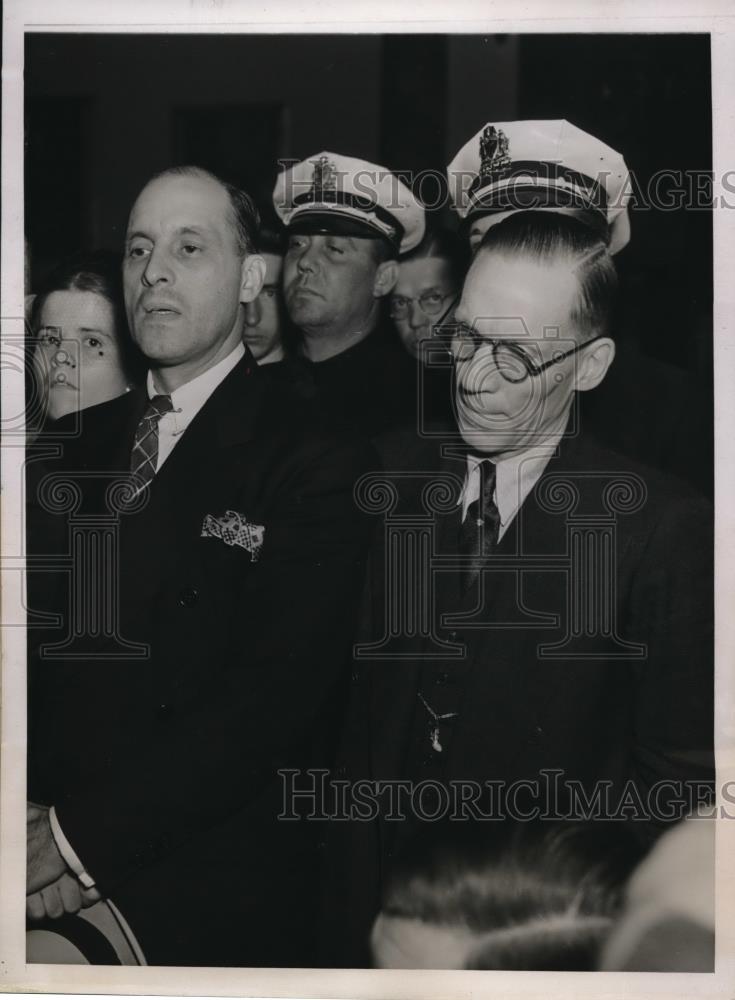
(332, 223)
(520, 198)
(525, 197)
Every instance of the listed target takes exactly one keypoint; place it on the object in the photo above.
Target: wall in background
(134, 85)
(482, 86)
(106, 111)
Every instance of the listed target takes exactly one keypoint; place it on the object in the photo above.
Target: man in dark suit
(537, 635)
(202, 649)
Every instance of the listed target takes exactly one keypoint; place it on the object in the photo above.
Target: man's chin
(162, 351)
(306, 312)
(489, 439)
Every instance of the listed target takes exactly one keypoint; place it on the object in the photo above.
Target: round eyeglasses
(430, 303)
(513, 362)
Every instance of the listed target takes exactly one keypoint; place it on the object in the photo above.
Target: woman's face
(77, 359)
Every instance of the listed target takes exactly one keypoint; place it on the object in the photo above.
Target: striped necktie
(144, 456)
(478, 534)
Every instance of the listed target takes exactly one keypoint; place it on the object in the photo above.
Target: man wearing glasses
(428, 285)
(554, 166)
(426, 291)
(550, 655)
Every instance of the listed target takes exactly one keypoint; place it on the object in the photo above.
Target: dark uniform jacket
(366, 389)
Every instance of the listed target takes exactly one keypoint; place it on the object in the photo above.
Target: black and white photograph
(367, 484)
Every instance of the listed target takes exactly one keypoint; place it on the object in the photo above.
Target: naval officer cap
(553, 165)
(344, 196)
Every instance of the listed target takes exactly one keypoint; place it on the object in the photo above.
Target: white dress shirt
(187, 400)
(515, 477)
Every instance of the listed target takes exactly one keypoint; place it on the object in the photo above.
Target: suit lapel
(226, 420)
(105, 435)
(205, 468)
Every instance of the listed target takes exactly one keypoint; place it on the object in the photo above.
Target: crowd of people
(369, 585)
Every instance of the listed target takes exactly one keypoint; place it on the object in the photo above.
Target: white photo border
(377, 16)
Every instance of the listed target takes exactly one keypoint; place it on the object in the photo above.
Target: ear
(593, 365)
(385, 278)
(252, 276)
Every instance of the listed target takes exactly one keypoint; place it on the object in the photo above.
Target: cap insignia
(325, 178)
(495, 159)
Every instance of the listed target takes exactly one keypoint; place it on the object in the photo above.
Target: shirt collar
(515, 477)
(190, 397)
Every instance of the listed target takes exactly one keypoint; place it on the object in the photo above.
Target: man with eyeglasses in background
(559, 661)
(426, 291)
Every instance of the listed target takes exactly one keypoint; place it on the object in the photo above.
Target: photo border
(379, 16)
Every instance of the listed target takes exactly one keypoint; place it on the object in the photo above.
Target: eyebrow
(193, 231)
(348, 240)
(181, 231)
(81, 329)
(424, 291)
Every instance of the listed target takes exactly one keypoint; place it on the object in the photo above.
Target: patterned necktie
(478, 534)
(144, 456)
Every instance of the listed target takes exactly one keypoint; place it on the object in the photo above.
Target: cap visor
(334, 224)
(530, 196)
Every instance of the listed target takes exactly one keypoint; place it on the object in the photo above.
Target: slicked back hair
(245, 215)
(550, 237)
(534, 895)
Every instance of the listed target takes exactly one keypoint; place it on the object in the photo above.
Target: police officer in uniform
(347, 221)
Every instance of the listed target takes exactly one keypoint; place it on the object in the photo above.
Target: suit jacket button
(188, 597)
(442, 678)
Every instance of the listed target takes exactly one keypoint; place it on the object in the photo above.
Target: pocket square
(234, 529)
